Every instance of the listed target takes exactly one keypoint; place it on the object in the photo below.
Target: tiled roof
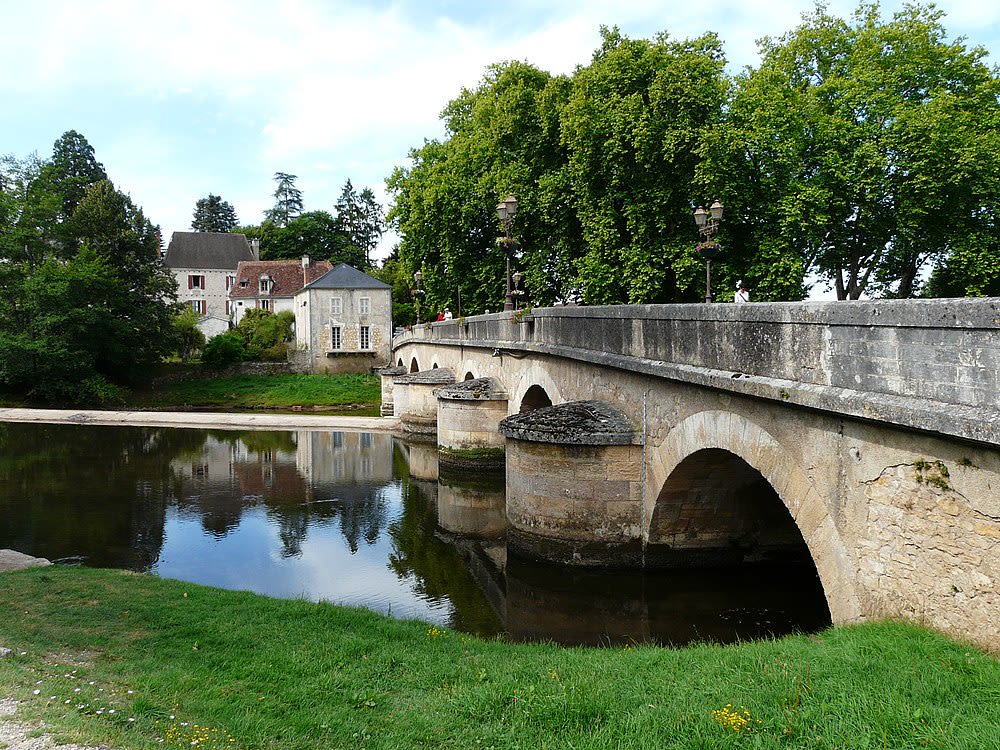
(216, 250)
(344, 276)
(288, 276)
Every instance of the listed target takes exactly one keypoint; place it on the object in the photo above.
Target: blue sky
(181, 99)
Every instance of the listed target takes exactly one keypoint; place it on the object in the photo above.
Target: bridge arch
(725, 441)
(535, 375)
(534, 398)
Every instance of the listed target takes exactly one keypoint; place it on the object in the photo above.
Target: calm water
(351, 518)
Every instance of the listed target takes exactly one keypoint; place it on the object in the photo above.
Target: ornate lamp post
(708, 225)
(506, 210)
(417, 293)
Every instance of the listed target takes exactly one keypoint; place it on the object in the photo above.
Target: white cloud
(187, 97)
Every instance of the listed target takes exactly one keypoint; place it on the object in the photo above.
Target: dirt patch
(18, 735)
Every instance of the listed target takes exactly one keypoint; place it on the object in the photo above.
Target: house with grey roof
(204, 264)
(343, 321)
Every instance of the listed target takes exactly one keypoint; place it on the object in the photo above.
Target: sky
(184, 99)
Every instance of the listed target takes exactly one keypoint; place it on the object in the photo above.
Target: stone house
(343, 322)
(204, 264)
(271, 284)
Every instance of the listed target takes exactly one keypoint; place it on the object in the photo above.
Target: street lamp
(708, 225)
(417, 293)
(506, 210)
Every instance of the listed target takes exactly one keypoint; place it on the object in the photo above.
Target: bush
(265, 334)
(224, 350)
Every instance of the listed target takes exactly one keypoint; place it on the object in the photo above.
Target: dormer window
(266, 283)
(244, 283)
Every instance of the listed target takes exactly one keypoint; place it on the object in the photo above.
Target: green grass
(236, 669)
(266, 392)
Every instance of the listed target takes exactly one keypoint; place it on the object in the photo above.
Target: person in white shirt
(447, 314)
(742, 293)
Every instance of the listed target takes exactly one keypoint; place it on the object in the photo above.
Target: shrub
(224, 350)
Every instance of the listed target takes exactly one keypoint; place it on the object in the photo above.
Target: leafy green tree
(266, 233)
(503, 138)
(72, 169)
(602, 165)
(29, 212)
(314, 233)
(361, 221)
(265, 334)
(224, 350)
(633, 124)
(865, 151)
(188, 336)
(288, 200)
(212, 214)
(83, 312)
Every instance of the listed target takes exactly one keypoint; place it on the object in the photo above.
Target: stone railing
(933, 365)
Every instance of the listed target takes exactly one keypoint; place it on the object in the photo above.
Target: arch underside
(721, 482)
(717, 510)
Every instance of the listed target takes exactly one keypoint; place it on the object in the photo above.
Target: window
(244, 283)
(196, 281)
(198, 305)
(336, 306)
(364, 306)
(229, 307)
(265, 284)
(230, 281)
(265, 304)
(365, 338)
(336, 340)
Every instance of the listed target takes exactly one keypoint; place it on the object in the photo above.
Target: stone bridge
(863, 434)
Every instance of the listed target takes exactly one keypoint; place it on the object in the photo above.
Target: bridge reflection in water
(540, 601)
(353, 518)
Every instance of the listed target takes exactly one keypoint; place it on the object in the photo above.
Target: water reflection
(354, 518)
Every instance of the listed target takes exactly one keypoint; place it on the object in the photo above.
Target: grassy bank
(359, 394)
(132, 660)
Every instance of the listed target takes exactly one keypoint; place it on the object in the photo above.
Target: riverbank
(134, 661)
(200, 419)
(194, 389)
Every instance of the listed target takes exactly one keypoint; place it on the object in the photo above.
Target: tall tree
(288, 200)
(73, 168)
(81, 318)
(503, 137)
(361, 220)
(212, 214)
(863, 150)
(633, 123)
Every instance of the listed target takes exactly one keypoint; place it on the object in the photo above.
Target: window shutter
(190, 282)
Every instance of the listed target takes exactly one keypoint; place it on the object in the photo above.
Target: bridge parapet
(933, 365)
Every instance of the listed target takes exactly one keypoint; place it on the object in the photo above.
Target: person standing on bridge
(742, 293)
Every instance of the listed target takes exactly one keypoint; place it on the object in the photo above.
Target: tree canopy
(864, 153)
(87, 303)
(287, 200)
(865, 150)
(212, 214)
(349, 235)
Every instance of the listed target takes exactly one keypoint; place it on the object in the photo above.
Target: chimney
(255, 248)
